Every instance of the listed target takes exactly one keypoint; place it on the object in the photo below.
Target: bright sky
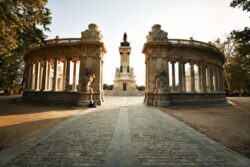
(204, 20)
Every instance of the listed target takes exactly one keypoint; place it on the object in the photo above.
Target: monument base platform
(82, 99)
(184, 99)
(124, 93)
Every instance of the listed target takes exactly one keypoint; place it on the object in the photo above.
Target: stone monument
(205, 85)
(124, 83)
(48, 67)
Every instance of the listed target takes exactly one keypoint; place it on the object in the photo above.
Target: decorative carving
(89, 81)
(92, 34)
(161, 81)
(156, 34)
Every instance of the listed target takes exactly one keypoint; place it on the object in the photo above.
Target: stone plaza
(121, 132)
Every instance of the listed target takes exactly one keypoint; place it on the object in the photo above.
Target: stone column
(64, 74)
(173, 76)
(200, 77)
(210, 78)
(216, 77)
(33, 78)
(102, 91)
(149, 74)
(37, 76)
(67, 87)
(180, 77)
(221, 79)
(146, 80)
(192, 77)
(41, 76)
(98, 75)
(167, 72)
(74, 77)
(183, 77)
(48, 76)
(54, 86)
(203, 78)
(152, 72)
(45, 75)
(146, 75)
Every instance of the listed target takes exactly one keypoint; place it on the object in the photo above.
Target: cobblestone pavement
(123, 132)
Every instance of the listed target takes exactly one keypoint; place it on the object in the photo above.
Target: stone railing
(191, 42)
(57, 41)
(63, 40)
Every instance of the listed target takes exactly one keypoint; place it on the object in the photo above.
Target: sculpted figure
(125, 37)
(92, 34)
(156, 34)
(90, 79)
(161, 81)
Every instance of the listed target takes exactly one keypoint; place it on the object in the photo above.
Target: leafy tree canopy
(242, 36)
(244, 4)
(22, 23)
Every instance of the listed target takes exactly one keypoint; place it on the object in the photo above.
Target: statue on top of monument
(125, 37)
(125, 42)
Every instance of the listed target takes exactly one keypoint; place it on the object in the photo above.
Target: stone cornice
(68, 48)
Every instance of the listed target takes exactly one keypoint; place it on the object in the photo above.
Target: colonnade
(207, 77)
(51, 75)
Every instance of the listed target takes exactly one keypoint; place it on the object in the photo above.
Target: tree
(243, 38)
(108, 87)
(22, 23)
(236, 66)
(11, 69)
(140, 88)
(227, 47)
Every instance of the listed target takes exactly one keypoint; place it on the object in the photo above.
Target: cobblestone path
(128, 134)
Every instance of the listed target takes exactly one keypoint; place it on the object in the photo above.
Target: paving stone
(129, 134)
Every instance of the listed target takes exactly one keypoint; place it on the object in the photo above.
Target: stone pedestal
(84, 99)
(162, 99)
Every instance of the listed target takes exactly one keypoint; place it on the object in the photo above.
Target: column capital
(75, 59)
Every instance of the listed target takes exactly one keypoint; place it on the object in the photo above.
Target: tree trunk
(230, 92)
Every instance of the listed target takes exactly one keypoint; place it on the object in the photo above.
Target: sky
(204, 20)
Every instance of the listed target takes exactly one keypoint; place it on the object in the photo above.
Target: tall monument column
(124, 83)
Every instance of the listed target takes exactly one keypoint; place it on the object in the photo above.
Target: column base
(85, 99)
(162, 99)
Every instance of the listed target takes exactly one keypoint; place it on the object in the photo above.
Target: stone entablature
(163, 54)
(51, 67)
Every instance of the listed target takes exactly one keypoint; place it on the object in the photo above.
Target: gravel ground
(228, 125)
(20, 121)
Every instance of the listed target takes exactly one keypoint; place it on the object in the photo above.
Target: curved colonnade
(66, 71)
(182, 72)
